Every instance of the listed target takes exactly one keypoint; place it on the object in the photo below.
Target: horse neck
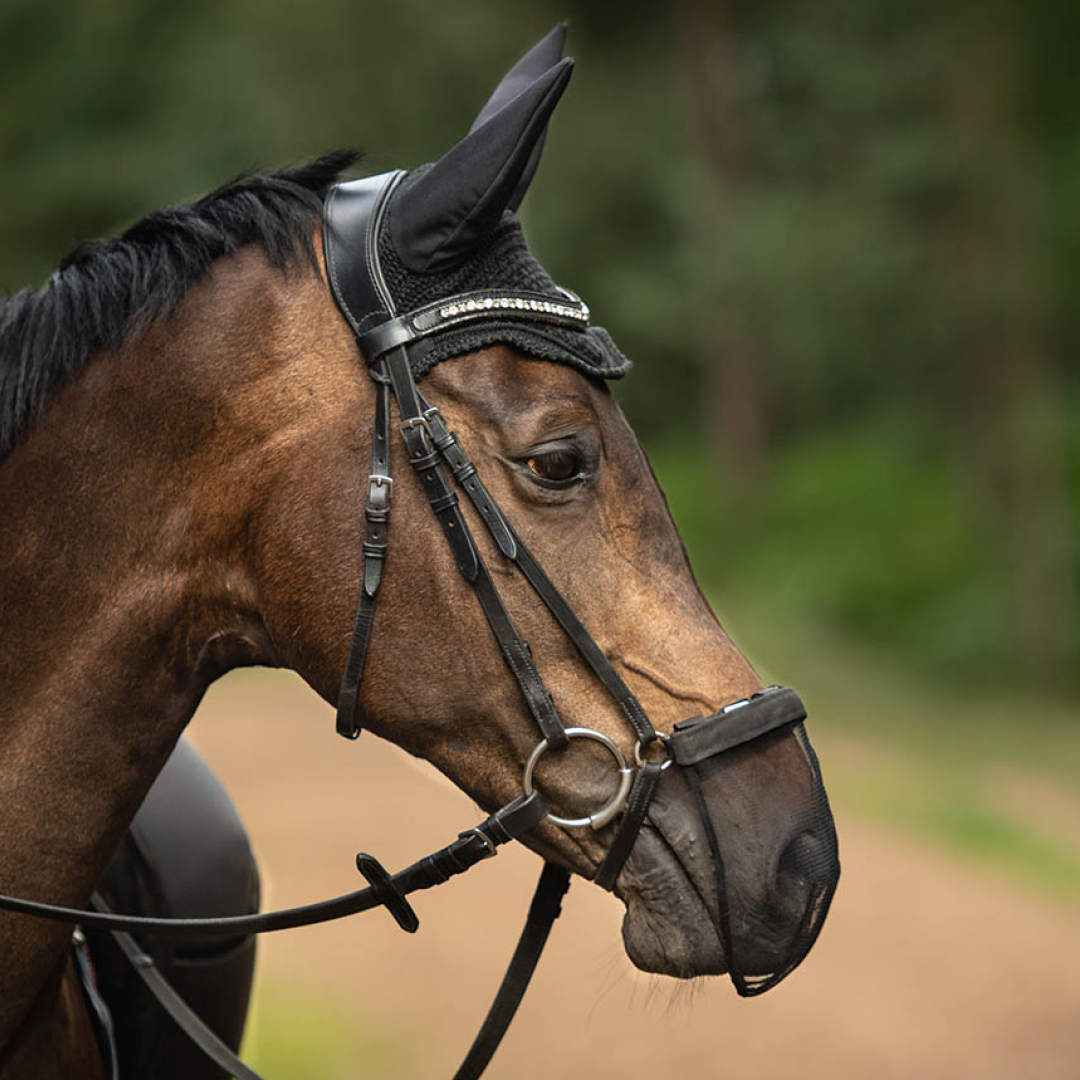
(123, 594)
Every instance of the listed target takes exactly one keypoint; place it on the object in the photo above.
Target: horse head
(198, 445)
(737, 854)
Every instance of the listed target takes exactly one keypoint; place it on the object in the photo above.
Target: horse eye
(556, 466)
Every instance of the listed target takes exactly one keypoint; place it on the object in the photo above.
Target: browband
(567, 311)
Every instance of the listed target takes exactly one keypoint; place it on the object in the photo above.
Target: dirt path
(925, 969)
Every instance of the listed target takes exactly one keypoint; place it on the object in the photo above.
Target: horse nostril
(806, 858)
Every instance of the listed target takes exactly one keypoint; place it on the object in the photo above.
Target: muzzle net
(789, 918)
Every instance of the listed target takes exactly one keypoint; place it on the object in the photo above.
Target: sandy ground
(924, 969)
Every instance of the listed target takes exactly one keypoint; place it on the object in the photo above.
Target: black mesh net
(784, 921)
(502, 261)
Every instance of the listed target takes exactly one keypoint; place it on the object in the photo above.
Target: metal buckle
(377, 503)
(492, 850)
(433, 418)
(418, 421)
(606, 812)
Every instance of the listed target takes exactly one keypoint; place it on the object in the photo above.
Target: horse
(188, 486)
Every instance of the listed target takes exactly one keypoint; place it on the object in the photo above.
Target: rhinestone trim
(488, 303)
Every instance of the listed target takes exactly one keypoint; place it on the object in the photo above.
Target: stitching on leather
(371, 245)
(331, 258)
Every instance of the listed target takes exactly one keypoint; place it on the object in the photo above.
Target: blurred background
(842, 242)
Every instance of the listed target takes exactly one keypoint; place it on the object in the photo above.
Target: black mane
(105, 291)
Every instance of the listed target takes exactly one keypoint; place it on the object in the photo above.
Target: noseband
(393, 344)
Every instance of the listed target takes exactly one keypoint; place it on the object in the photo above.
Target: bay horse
(187, 485)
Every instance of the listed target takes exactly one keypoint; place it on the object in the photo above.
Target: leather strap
(390, 896)
(511, 545)
(466, 475)
(518, 657)
(377, 515)
(514, 549)
(175, 1006)
(634, 817)
(100, 1013)
(699, 738)
(507, 823)
(723, 915)
(585, 644)
(566, 311)
(425, 459)
(545, 908)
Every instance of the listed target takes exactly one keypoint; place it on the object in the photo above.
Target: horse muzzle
(736, 865)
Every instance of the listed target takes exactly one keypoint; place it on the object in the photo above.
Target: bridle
(389, 341)
(352, 224)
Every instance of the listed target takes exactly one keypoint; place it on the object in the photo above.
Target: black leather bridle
(353, 223)
(387, 340)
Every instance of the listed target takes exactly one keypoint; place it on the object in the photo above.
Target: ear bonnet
(436, 259)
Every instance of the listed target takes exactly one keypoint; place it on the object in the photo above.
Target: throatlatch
(431, 265)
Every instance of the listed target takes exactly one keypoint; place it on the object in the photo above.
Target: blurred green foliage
(842, 240)
(299, 1035)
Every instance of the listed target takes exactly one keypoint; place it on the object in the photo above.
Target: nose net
(808, 871)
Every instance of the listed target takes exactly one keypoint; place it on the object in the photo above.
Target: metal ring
(606, 812)
(639, 751)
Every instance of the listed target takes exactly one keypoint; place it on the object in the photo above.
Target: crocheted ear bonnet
(443, 241)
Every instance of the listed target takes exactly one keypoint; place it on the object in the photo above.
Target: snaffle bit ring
(606, 812)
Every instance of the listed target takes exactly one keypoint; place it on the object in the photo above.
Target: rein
(388, 341)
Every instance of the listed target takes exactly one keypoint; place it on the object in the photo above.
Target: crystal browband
(566, 311)
(513, 303)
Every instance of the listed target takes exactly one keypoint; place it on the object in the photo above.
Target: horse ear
(440, 214)
(544, 54)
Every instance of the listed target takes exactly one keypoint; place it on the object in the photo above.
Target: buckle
(489, 844)
(414, 422)
(380, 488)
